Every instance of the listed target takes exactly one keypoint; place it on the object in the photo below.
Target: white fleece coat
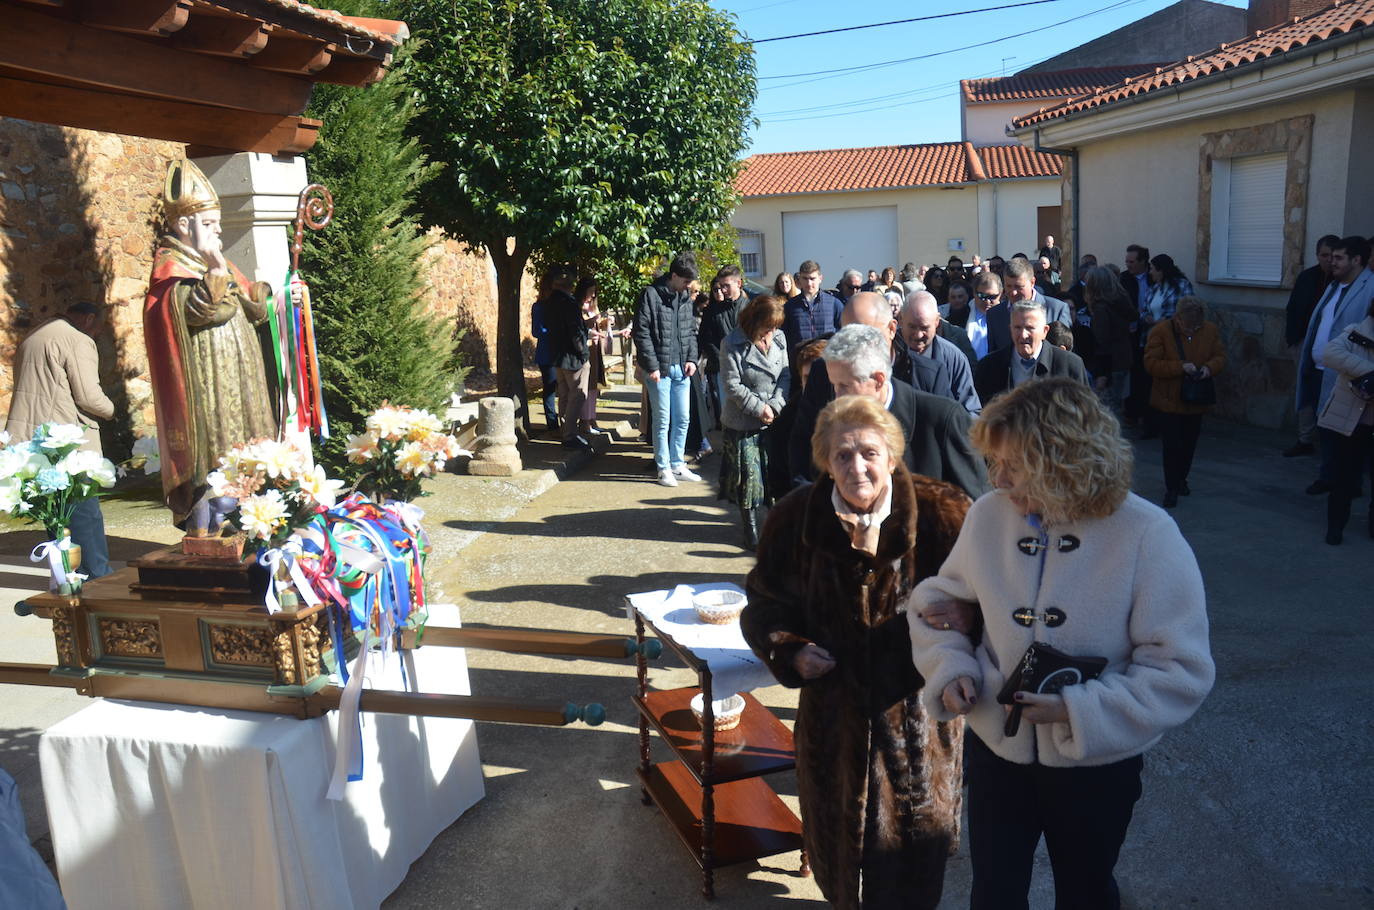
(1131, 592)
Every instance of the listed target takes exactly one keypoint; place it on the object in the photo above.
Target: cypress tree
(376, 340)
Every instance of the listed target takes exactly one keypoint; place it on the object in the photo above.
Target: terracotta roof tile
(390, 32)
(1003, 162)
(1056, 84)
(1307, 32)
(887, 167)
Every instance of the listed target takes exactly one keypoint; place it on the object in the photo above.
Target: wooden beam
(58, 49)
(135, 115)
(285, 54)
(140, 17)
(353, 71)
(309, 26)
(225, 37)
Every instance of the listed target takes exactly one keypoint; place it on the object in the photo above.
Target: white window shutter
(1254, 241)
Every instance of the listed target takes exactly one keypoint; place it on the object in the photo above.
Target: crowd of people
(868, 418)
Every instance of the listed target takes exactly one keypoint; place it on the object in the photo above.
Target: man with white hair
(851, 283)
(936, 428)
(1029, 356)
(920, 326)
(871, 309)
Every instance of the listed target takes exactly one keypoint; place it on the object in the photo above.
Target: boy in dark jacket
(666, 347)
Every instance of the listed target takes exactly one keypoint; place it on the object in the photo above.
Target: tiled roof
(1003, 162)
(1308, 32)
(888, 167)
(1056, 84)
(384, 30)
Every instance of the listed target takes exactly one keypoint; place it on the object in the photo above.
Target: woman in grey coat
(754, 377)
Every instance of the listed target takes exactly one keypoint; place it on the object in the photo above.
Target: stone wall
(76, 224)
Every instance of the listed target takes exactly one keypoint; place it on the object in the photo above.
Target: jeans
(1082, 812)
(1178, 434)
(671, 398)
(550, 377)
(88, 532)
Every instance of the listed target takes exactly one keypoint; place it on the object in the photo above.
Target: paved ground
(1261, 801)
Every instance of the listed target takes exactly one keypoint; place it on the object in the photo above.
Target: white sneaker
(686, 473)
(666, 478)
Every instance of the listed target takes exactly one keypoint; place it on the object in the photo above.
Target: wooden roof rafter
(151, 66)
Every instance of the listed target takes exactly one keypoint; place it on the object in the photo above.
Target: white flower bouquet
(400, 446)
(277, 487)
(44, 478)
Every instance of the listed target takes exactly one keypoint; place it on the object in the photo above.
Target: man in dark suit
(1135, 278)
(920, 323)
(1029, 356)
(1309, 288)
(935, 427)
(923, 373)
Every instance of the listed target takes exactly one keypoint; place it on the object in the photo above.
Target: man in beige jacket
(56, 380)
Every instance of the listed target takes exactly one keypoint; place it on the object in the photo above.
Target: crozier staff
(1063, 554)
(878, 778)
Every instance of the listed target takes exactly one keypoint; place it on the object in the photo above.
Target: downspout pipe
(1072, 155)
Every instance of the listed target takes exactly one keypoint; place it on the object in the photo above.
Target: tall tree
(376, 339)
(594, 131)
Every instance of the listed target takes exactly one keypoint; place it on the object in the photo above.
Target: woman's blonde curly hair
(1068, 445)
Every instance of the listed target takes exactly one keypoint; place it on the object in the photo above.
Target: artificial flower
(412, 460)
(261, 516)
(146, 449)
(389, 423)
(51, 480)
(59, 435)
(361, 448)
(11, 495)
(319, 487)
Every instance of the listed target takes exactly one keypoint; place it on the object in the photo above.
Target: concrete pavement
(1260, 801)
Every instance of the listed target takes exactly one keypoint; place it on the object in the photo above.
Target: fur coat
(878, 780)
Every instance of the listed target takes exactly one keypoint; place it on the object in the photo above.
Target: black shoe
(1184, 489)
(576, 442)
(1299, 448)
(749, 520)
(1170, 499)
(1318, 487)
(1333, 538)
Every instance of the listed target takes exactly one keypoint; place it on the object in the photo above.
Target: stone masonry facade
(77, 224)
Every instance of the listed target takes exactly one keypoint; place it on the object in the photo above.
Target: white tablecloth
(159, 806)
(734, 666)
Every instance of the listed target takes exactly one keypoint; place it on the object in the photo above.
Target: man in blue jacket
(665, 336)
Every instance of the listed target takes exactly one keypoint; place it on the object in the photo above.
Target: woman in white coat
(1061, 554)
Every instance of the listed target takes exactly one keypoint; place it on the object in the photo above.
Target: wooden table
(712, 791)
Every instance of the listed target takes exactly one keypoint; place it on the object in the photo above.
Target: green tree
(602, 132)
(376, 339)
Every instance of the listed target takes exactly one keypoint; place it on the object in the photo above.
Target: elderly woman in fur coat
(879, 780)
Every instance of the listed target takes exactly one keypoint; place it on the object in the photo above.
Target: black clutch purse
(1045, 671)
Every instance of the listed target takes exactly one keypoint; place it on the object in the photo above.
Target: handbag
(1193, 390)
(1045, 671)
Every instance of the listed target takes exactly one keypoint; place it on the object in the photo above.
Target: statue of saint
(209, 377)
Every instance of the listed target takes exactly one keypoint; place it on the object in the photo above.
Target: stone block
(494, 452)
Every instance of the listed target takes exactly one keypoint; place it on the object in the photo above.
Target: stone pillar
(258, 194)
(494, 453)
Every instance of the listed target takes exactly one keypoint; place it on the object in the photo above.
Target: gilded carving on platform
(285, 652)
(65, 635)
(130, 637)
(311, 635)
(248, 646)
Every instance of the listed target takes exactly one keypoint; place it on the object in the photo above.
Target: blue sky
(913, 101)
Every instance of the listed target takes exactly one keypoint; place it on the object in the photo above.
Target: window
(749, 246)
(1248, 217)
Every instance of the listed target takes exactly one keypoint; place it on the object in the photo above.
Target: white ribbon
(52, 550)
(350, 728)
(409, 514)
(286, 554)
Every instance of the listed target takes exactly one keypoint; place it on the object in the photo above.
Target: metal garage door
(841, 239)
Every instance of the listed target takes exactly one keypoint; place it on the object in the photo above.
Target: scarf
(864, 528)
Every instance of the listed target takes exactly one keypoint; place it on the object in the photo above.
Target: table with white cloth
(161, 806)
(712, 791)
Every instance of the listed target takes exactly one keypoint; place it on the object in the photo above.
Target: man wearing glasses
(987, 293)
(851, 283)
